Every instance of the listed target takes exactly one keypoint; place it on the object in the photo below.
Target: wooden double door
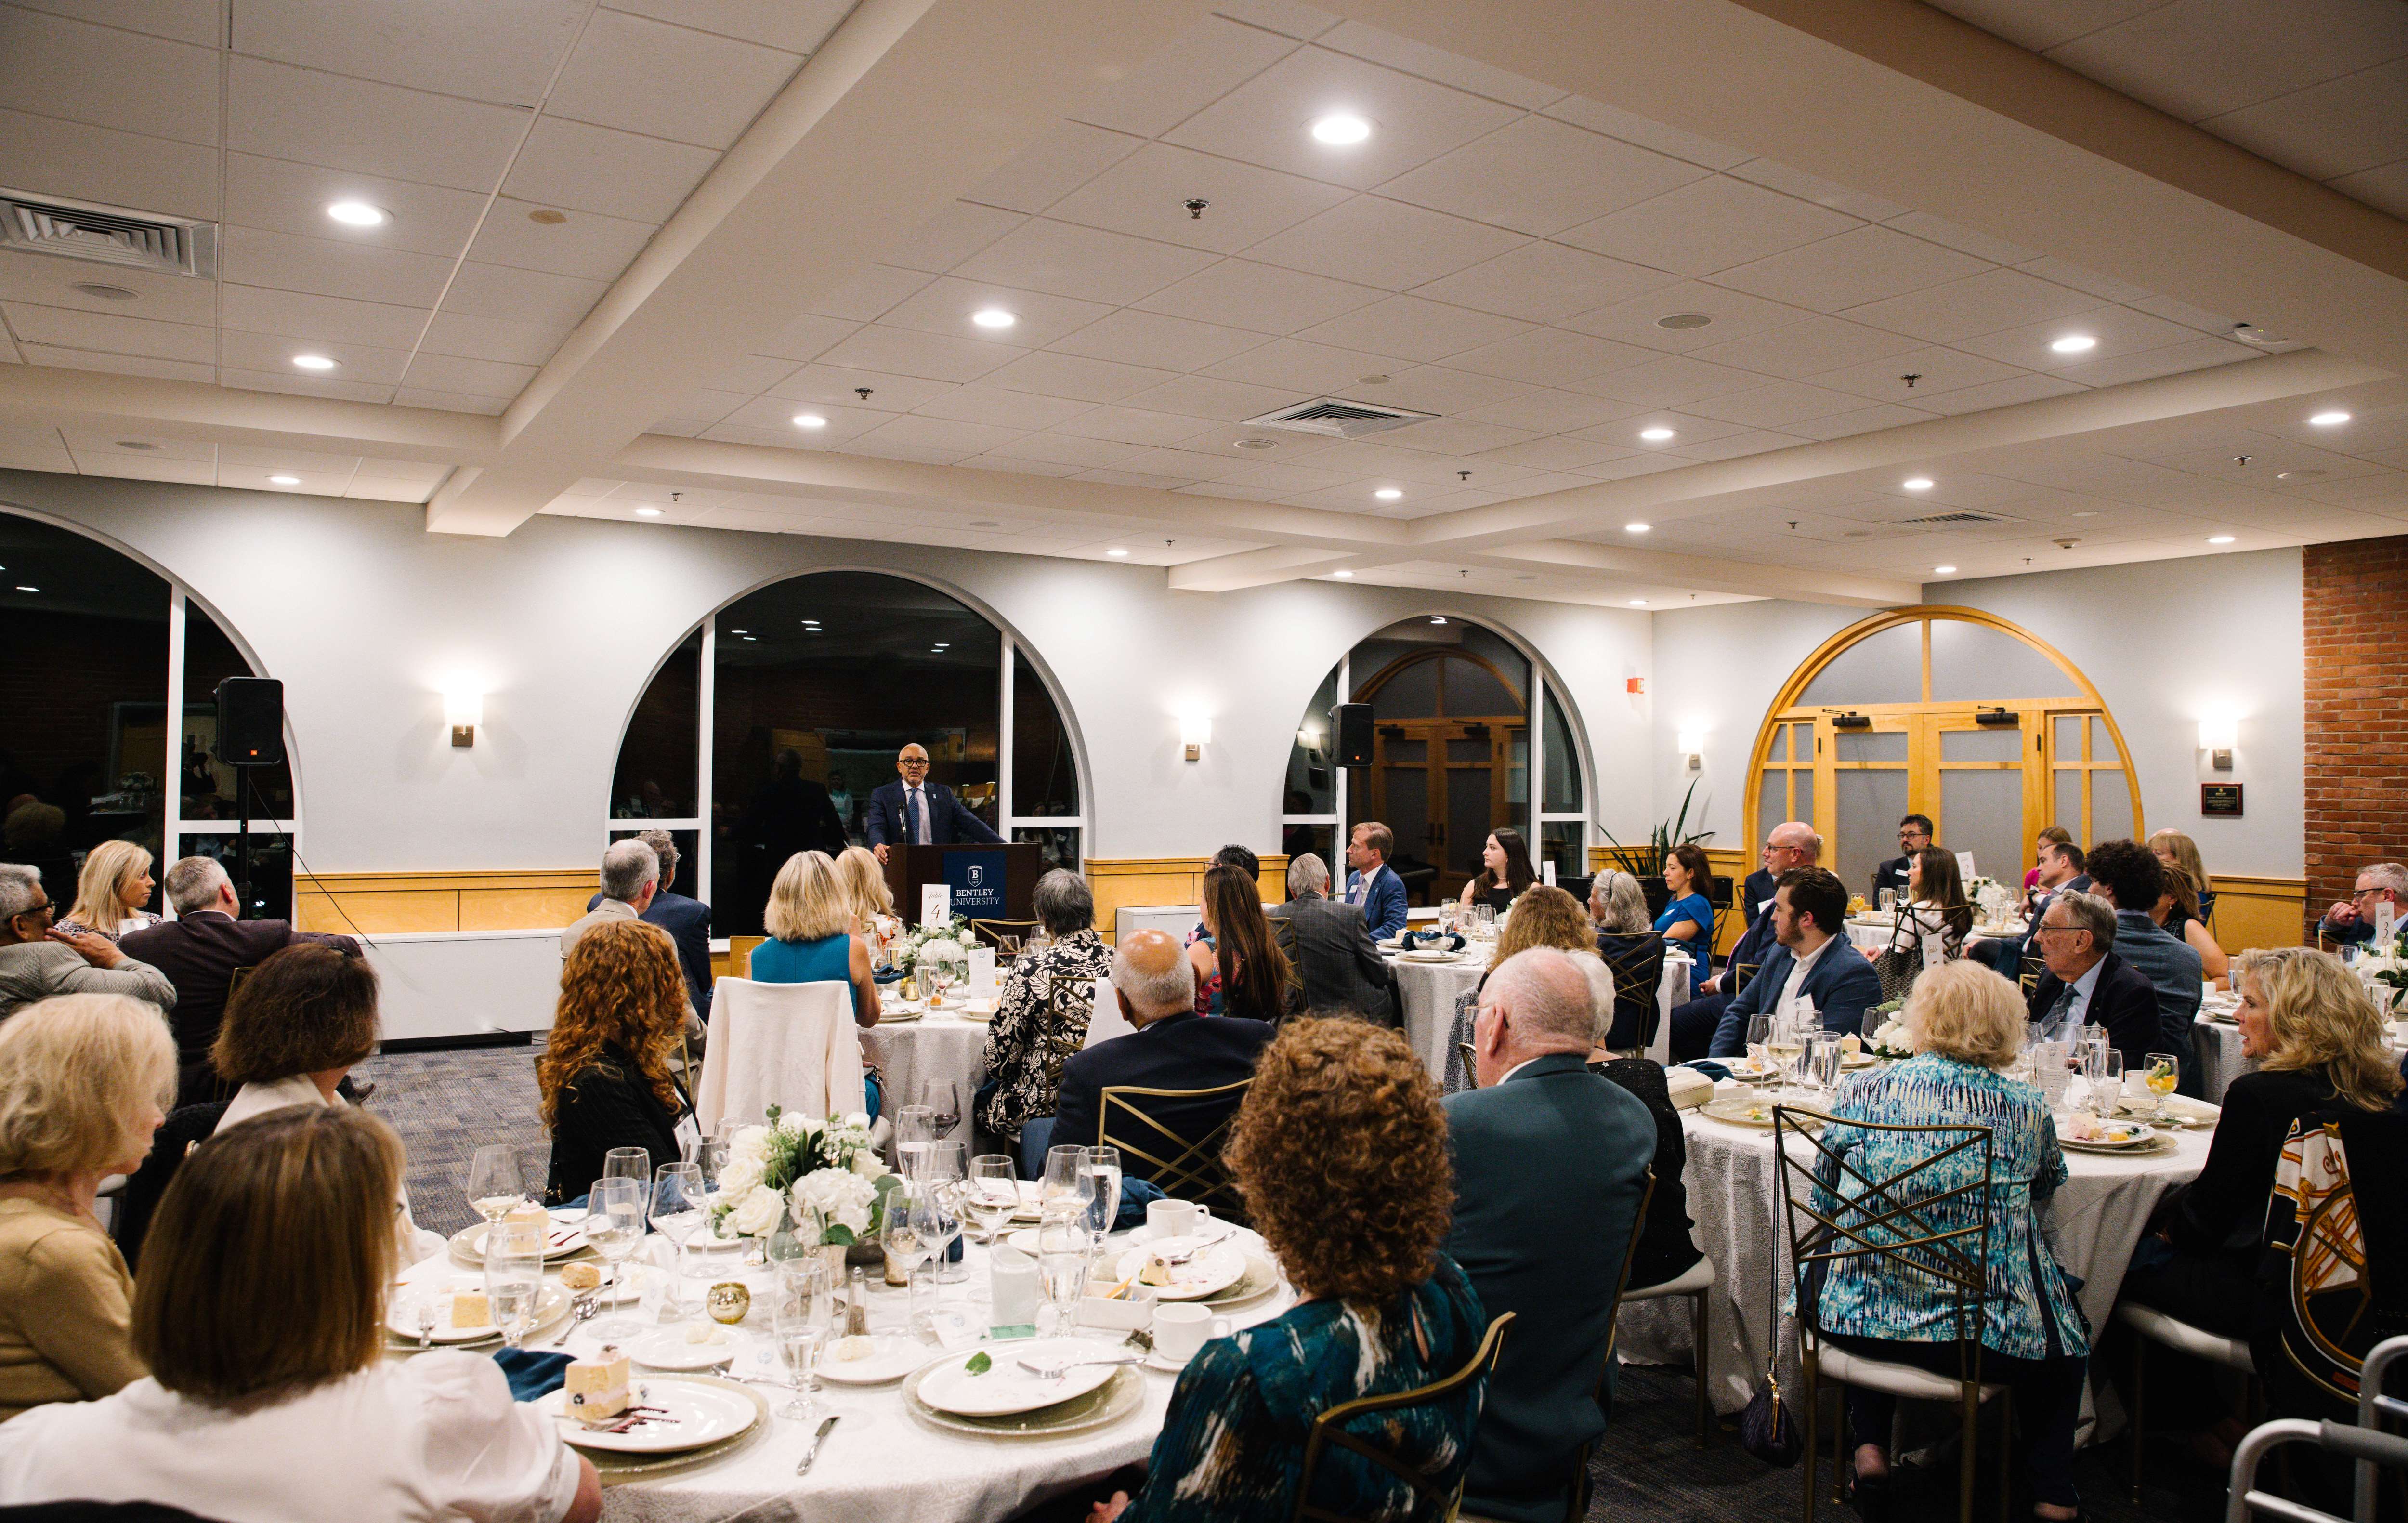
(1442, 784)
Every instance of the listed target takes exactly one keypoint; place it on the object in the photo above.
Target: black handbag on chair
(1767, 1428)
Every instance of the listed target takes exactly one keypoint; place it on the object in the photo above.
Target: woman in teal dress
(809, 921)
(1341, 1152)
(1688, 921)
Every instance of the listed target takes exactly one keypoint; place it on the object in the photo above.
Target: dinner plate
(1004, 1389)
(1215, 1270)
(1121, 1396)
(1431, 957)
(889, 1016)
(667, 1348)
(1031, 1201)
(692, 1414)
(566, 1239)
(891, 1357)
(1744, 1113)
(2140, 1135)
(1852, 1061)
(400, 1316)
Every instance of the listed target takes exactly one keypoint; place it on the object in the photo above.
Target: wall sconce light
(2217, 735)
(464, 710)
(1195, 733)
(1691, 741)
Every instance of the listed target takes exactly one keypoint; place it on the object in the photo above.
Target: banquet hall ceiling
(607, 285)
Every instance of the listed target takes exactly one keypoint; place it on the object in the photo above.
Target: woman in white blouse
(1936, 919)
(260, 1310)
(295, 1026)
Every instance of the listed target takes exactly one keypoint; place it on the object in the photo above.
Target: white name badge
(936, 904)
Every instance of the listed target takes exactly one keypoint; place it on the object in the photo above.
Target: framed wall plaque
(2219, 801)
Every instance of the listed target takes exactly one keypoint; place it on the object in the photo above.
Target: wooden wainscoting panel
(535, 898)
(375, 910)
(1164, 879)
(1729, 924)
(2259, 911)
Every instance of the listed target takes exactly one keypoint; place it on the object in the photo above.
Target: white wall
(367, 618)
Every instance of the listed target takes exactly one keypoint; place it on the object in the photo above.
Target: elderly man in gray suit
(631, 877)
(1330, 944)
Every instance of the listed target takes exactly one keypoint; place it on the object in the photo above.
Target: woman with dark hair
(1239, 970)
(1935, 919)
(604, 1071)
(1689, 919)
(1505, 871)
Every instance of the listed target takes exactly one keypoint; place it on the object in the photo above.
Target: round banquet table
(880, 1462)
(1871, 933)
(2094, 1220)
(1432, 989)
(938, 1045)
(2215, 1048)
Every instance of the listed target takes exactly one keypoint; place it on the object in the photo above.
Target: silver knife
(818, 1439)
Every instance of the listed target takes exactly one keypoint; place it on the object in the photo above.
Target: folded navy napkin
(1135, 1193)
(1443, 940)
(888, 975)
(1708, 1067)
(531, 1372)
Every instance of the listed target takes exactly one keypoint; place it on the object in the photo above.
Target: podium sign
(979, 881)
(975, 877)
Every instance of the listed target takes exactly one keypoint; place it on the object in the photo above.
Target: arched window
(783, 712)
(1451, 757)
(1949, 712)
(102, 652)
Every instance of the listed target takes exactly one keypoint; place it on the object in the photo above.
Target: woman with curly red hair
(1341, 1153)
(605, 1069)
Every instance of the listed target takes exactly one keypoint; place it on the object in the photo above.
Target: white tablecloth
(2094, 1220)
(881, 1464)
(936, 1046)
(2215, 1048)
(1431, 989)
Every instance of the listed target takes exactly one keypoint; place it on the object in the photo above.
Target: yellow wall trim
(534, 899)
(1117, 880)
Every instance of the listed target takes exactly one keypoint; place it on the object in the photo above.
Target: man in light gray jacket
(36, 962)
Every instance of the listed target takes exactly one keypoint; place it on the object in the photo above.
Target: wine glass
(902, 1235)
(1784, 1046)
(2164, 1074)
(1760, 1037)
(513, 1285)
(946, 1171)
(496, 1184)
(1069, 1189)
(614, 1225)
(1063, 1249)
(915, 1127)
(942, 1098)
(633, 1163)
(798, 1321)
(2104, 1068)
(994, 1193)
(678, 1211)
(710, 1155)
(1103, 1166)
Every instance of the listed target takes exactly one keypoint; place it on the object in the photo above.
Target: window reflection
(657, 772)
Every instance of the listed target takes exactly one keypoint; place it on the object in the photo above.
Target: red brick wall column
(2356, 617)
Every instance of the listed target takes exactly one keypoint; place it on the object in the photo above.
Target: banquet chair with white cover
(2156, 1327)
(791, 1045)
(1696, 1282)
(1107, 1022)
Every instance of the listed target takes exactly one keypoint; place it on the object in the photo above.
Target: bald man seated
(1789, 844)
(1172, 1048)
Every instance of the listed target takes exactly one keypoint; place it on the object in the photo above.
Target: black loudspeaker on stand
(1354, 734)
(251, 733)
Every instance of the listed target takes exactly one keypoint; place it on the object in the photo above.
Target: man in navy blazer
(1814, 963)
(1373, 884)
(1791, 843)
(1549, 1167)
(1172, 1048)
(916, 812)
(687, 921)
(2088, 985)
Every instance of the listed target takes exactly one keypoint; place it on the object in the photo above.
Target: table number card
(936, 904)
(982, 986)
(1547, 873)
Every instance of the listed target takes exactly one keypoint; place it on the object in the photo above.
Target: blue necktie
(911, 810)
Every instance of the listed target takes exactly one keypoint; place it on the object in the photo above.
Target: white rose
(839, 1197)
(739, 1176)
(858, 1121)
(868, 1165)
(750, 1145)
(757, 1213)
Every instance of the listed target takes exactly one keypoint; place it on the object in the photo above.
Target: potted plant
(1646, 863)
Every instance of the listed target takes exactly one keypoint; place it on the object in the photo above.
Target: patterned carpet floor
(447, 1104)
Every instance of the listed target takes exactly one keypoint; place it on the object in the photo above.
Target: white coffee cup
(1175, 1219)
(1182, 1328)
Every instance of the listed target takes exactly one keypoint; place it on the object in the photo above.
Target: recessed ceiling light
(545, 217)
(1636, 529)
(286, 480)
(2087, 512)
(2220, 539)
(138, 445)
(809, 420)
(1438, 618)
(1639, 602)
(1258, 444)
(1374, 380)
(1387, 494)
(1655, 436)
(2253, 332)
(751, 639)
(1339, 129)
(358, 214)
(105, 293)
(1944, 571)
(993, 317)
(29, 589)
(1683, 320)
(740, 631)
(1916, 483)
(2328, 420)
(2300, 475)
(813, 624)
(1342, 572)
(647, 513)
(2074, 343)
(313, 361)
(1116, 550)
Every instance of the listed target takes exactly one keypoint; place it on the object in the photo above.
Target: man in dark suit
(1331, 946)
(199, 952)
(2060, 872)
(1550, 1168)
(687, 921)
(916, 812)
(1790, 844)
(1914, 835)
(1814, 963)
(1172, 1048)
(2088, 985)
(1371, 882)
(790, 813)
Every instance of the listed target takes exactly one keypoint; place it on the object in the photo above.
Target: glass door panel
(1867, 803)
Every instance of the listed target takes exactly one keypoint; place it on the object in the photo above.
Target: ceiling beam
(49, 396)
(908, 105)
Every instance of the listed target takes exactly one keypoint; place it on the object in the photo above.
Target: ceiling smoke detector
(2250, 333)
(1336, 418)
(48, 225)
(1258, 444)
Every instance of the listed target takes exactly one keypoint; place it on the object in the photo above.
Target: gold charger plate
(1107, 1403)
(617, 1468)
(1261, 1279)
(467, 1260)
(2156, 1147)
(552, 1308)
(1744, 1113)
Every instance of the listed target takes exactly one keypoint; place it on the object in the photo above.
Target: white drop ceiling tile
(806, 338)
(1552, 357)
(1860, 420)
(1017, 411)
(869, 294)
(1545, 282)
(642, 76)
(2339, 128)
(1924, 226)
(753, 374)
(1070, 449)
(196, 21)
(57, 66)
(417, 472)
(273, 354)
(1822, 192)
(1864, 266)
(1134, 478)
(282, 196)
(1065, 158)
(1025, 467)
(954, 233)
(588, 245)
(88, 443)
(586, 167)
(255, 479)
(1411, 328)
(1811, 346)
(478, 378)
(708, 407)
(465, 48)
(1667, 380)
(2172, 359)
(68, 328)
(315, 469)
(1292, 479)
(1734, 315)
(841, 387)
(300, 315)
(1209, 396)
(1936, 370)
(1183, 465)
(373, 129)
(930, 356)
(2189, 316)
(1128, 426)
(1732, 445)
(1129, 337)
(2266, 457)
(377, 489)
(1288, 18)
(1231, 493)
(1388, 244)
(1437, 388)
(1407, 56)
(1551, 411)
(1990, 302)
(1541, 176)
(521, 295)
(798, 26)
(772, 421)
(1458, 436)
(2105, 287)
(1708, 224)
(1687, 428)
(53, 157)
(1614, 122)
(1077, 377)
(1365, 459)
(1636, 465)
(1197, 67)
(2385, 189)
(492, 339)
(297, 385)
(1240, 293)
(1999, 394)
(944, 305)
(120, 365)
(1085, 263)
(136, 468)
(2120, 330)
(1296, 366)
(324, 267)
(1770, 407)
(1146, 194)
(1562, 455)
(2198, 58)
(954, 437)
(1264, 121)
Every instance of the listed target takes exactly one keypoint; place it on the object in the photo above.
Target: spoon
(579, 1311)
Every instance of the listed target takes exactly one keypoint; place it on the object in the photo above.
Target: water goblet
(1102, 1165)
(799, 1323)
(2104, 1068)
(513, 1285)
(1062, 1250)
(994, 1193)
(678, 1214)
(614, 1225)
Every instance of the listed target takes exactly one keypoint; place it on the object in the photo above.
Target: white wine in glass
(495, 1183)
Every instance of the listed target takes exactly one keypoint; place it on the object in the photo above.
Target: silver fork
(1217, 1238)
(579, 1310)
(1055, 1372)
(425, 1324)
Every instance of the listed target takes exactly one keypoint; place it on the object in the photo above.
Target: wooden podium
(971, 869)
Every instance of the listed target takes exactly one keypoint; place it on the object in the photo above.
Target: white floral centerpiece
(1995, 900)
(948, 944)
(2385, 971)
(1890, 1037)
(825, 1172)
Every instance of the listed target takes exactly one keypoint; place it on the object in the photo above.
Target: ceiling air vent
(107, 235)
(1944, 520)
(1338, 419)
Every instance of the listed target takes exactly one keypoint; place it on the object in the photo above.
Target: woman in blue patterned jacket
(1967, 1025)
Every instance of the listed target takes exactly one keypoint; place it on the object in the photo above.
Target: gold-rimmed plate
(1107, 1403)
(619, 1469)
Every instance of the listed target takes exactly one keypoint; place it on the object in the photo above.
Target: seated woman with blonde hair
(865, 889)
(85, 1079)
(809, 918)
(261, 1314)
(112, 891)
(1544, 915)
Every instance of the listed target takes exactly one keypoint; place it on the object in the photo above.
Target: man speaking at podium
(918, 813)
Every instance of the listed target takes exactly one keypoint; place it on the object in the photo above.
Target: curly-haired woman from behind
(1339, 1150)
(604, 1071)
